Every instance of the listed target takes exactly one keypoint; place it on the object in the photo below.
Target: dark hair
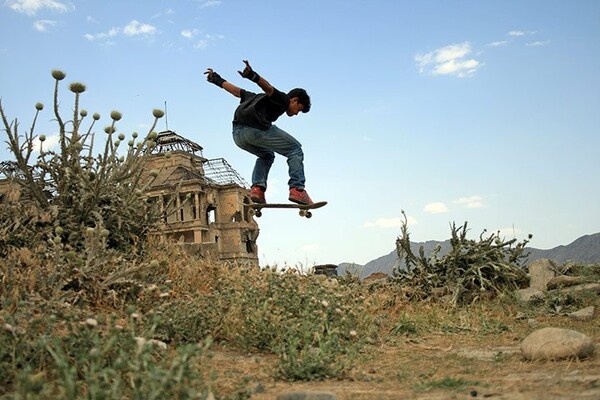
(303, 98)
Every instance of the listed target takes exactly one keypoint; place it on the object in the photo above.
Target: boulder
(556, 344)
(564, 281)
(584, 314)
(540, 273)
(529, 294)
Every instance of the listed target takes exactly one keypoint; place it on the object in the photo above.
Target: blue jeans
(264, 145)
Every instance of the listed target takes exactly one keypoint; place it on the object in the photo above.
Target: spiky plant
(75, 188)
(490, 265)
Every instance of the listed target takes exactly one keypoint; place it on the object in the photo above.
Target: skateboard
(304, 210)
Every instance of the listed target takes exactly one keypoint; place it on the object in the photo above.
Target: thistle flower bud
(56, 240)
(121, 136)
(168, 154)
(134, 135)
(42, 138)
(109, 129)
(154, 263)
(77, 87)
(158, 113)
(58, 75)
(131, 143)
(96, 116)
(154, 173)
(117, 143)
(115, 115)
(83, 113)
(153, 135)
(58, 230)
(39, 106)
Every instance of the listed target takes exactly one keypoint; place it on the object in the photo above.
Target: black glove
(215, 78)
(249, 73)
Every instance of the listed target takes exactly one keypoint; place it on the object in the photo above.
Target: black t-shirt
(259, 110)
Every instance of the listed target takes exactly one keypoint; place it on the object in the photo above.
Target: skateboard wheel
(302, 213)
(258, 213)
(308, 214)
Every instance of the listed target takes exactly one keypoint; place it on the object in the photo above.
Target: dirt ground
(455, 366)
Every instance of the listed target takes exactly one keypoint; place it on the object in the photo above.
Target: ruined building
(202, 201)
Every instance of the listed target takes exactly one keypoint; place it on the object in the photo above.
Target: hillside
(585, 250)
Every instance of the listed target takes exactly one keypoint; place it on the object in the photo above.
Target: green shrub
(65, 356)
(72, 189)
(471, 268)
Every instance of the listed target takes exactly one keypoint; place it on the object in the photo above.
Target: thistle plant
(75, 187)
(471, 268)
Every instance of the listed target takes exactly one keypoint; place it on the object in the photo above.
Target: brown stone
(556, 344)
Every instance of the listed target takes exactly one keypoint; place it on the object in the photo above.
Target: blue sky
(453, 111)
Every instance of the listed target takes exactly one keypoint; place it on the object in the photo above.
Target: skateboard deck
(304, 209)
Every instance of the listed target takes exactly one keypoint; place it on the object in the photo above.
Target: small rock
(540, 273)
(583, 314)
(585, 287)
(306, 395)
(529, 294)
(563, 281)
(556, 344)
(532, 323)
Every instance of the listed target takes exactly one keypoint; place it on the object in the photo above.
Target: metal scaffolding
(220, 172)
(170, 141)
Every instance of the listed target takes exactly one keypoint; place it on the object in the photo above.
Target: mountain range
(585, 249)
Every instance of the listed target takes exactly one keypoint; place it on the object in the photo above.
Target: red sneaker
(257, 194)
(300, 196)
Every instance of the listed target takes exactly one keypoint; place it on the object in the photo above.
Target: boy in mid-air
(253, 131)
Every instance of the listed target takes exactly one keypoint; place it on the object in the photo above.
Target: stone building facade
(202, 202)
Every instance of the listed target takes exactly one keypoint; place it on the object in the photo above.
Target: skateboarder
(253, 131)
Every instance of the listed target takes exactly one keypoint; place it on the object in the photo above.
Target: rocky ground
(431, 367)
(521, 360)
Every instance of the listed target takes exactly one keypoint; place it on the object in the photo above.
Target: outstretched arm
(249, 73)
(216, 79)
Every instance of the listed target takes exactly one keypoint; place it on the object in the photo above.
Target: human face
(294, 107)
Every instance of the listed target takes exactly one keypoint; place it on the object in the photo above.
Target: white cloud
(435, 208)
(538, 43)
(387, 223)
(91, 20)
(50, 143)
(207, 40)
(449, 60)
(31, 7)
(103, 35)
(470, 202)
(189, 33)
(210, 3)
(43, 25)
(517, 33)
(135, 28)
(498, 43)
